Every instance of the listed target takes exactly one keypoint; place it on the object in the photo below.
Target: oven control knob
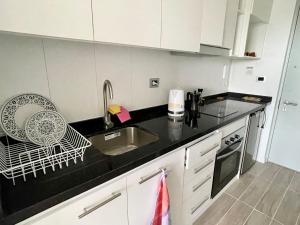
(232, 139)
(227, 142)
(237, 136)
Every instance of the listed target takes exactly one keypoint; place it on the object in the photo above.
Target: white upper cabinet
(54, 18)
(142, 187)
(213, 21)
(181, 25)
(129, 22)
(230, 23)
(262, 10)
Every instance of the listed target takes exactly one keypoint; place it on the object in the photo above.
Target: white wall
(71, 74)
(271, 64)
(210, 73)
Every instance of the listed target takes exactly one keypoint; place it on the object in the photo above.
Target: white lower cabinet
(105, 206)
(198, 176)
(142, 189)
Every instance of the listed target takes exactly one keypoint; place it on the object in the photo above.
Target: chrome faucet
(107, 121)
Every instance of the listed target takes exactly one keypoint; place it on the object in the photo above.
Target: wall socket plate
(154, 83)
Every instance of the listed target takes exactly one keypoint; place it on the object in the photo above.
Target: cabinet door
(107, 206)
(55, 18)
(213, 21)
(142, 196)
(230, 23)
(262, 9)
(181, 25)
(131, 22)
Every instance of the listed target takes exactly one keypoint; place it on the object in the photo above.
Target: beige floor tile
(254, 192)
(283, 177)
(238, 187)
(258, 218)
(295, 185)
(289, 209)
(271, 200)
(270, 171)
(216, 211)
(257, 168)
(237, 215)
(274, 223)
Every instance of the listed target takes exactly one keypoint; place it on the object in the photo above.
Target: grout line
(298, 219)
(267, 188)
(237, 199)
(287, 188)
(46, 68)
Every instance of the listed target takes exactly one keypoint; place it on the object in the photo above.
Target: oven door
(226, 166)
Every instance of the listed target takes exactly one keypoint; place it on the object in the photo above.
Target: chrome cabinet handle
(88, 211)
(197, 170)
(196, 187)
(209, 150)
(290, 103)
(199, 205)
(144, 179)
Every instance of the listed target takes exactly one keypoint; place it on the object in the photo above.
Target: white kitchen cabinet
(213, 22)
(54, 18)
(142, 196)
(130, 22)
(198, 176)
(230, 23)
(107, 206)
(262, 10)
(181, 25)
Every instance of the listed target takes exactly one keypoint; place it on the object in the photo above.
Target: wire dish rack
(18, 159)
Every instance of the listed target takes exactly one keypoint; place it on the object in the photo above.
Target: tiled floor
(266, 195)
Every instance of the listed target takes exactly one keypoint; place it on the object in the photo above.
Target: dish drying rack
(20, 159)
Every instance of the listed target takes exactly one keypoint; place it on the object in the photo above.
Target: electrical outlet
(154, 82)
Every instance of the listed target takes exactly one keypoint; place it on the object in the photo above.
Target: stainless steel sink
(123, 140)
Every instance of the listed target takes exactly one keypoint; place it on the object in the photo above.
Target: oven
(228, 160)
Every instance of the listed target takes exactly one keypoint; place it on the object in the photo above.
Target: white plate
(17, 110)
(46, 128)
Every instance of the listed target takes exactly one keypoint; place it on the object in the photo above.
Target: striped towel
(162, 208)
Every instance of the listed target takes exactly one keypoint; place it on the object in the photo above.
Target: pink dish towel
(162, 208)
(124, 115)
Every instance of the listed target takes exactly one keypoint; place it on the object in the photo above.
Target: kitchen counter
(38, 194)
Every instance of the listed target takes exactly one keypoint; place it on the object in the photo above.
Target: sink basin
(123, 140)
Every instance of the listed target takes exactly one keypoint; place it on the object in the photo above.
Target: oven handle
(230, 153)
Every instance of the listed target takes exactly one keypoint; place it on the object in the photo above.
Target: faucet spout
(107, 86)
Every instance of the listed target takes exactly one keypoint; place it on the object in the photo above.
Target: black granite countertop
(26, 199)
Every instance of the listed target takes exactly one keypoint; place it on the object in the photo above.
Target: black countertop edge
(148, 114)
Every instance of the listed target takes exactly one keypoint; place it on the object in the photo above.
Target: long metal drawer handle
(143, 180)
(88, 211)
(209, 150)
(198, 206)
(196, 187)
(197, 170)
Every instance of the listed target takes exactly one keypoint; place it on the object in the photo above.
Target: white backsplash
(71, 74)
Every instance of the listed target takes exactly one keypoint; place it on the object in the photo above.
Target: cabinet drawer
(88, 209)
(201, 167)
(195, 185)
(202, 149)
(197, 204)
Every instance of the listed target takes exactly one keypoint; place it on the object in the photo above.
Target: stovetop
(220, 109)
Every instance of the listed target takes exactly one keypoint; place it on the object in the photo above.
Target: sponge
(114, 109)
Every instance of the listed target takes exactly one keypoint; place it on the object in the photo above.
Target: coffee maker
(194, 100)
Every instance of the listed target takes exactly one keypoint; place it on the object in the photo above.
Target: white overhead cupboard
(184, 26)
(129, 22)
(51, 18)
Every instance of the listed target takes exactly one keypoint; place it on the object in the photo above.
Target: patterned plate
(46, 128)
(17, 110)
